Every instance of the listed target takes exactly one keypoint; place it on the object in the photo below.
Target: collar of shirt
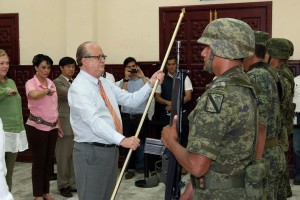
(170, 75)
(90, 77)
(38, 83)
(67, 78)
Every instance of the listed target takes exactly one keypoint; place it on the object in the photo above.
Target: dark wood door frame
(9, 36)
(176, 9)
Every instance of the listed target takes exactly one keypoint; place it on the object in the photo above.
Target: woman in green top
(12, 118)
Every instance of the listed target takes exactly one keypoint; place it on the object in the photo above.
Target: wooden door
(9, 36)
(257, 15)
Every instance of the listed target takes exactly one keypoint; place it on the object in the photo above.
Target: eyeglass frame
(97, 57)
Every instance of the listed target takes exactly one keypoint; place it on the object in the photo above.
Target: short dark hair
(128, 60)
(37, 59)
(66, 61)
(172, 57)
(260, 51)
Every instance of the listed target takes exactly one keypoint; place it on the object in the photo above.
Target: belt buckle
(39, 120)
(131, 116)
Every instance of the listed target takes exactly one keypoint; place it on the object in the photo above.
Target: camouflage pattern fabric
(287, 115)
(223, 128)
(261, 37)
(269, 110)
(229, 38)
(280, 48)
(287, 106)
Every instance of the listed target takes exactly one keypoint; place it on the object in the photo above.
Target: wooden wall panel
(9, 36)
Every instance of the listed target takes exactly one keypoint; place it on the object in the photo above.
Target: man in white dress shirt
(96, 137)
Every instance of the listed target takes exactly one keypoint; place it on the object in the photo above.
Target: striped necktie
(114, 115)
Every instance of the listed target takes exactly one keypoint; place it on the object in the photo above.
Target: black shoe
(129, 175)
(72, 189)
(289, 194)
(53, 177)
(296, 181)
(65, 192)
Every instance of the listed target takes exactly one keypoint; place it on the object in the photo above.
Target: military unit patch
(214, 102)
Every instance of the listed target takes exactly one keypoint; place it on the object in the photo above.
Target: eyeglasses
(97, 57)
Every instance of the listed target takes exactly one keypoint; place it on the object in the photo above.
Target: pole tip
(183, 10)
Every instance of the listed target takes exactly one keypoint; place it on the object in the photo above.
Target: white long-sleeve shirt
(4, 192)
(296, 98)
(90, 118)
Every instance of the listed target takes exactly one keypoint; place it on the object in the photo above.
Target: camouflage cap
(280, 48)
(229, 38)
(261, 37)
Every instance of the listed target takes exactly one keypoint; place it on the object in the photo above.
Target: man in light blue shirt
(133, 81)
(96, 138)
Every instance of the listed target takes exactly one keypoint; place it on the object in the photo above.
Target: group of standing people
(235, 142)
(238, 141)
(48, 118)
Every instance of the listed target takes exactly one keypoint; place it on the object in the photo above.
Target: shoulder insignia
(219, 84)
(214, 102)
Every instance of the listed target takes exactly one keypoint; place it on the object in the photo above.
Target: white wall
(122, 28)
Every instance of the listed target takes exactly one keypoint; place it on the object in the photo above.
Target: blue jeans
(296, 144)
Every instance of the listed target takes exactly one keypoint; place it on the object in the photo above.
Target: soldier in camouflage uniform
(269, 113)
(222, 138)
(279, 51)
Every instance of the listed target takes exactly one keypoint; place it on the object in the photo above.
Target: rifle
(171, 177)
(174, 183)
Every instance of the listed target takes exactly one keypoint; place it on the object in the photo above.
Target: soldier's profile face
(205, 54)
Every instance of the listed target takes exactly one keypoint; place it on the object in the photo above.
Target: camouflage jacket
(269, 111)
(269, 105)
(223, 128)
(287, 107)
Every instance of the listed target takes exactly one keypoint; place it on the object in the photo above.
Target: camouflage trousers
(284, 183)
(229, 194)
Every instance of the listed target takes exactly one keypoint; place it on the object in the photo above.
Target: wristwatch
(125, 80)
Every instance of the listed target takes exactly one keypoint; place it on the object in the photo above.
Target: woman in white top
(4, 192)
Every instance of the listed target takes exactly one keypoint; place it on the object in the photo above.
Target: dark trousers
(130, 125)
(10, 159)
(42, 145)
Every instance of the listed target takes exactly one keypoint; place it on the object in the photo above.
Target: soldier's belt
(271, 142)
(210, 183)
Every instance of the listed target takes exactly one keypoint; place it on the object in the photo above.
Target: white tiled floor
(22, 189)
